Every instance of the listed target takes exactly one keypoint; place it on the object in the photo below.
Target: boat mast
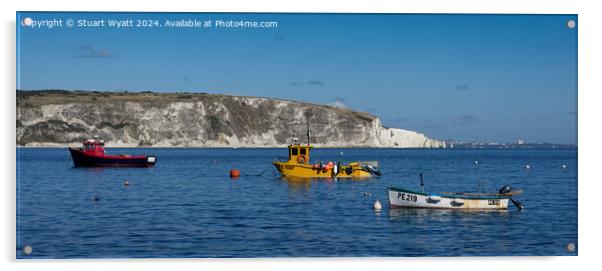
(307, 122)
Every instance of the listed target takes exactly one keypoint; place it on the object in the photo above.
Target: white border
(589, 133)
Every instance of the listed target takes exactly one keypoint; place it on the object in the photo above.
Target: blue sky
(491, 78)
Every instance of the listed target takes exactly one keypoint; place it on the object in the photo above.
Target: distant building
(449, 143)
(520, 142)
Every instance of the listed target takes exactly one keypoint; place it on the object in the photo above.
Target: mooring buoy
(377, 205)
(234, 173)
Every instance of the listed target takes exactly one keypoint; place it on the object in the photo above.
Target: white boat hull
(403, 198)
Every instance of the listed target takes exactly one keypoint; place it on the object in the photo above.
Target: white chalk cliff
(60, 118)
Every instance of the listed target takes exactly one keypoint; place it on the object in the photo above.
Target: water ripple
(187, 206)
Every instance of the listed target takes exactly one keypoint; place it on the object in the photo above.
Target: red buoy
(234, 173)
(126, 183)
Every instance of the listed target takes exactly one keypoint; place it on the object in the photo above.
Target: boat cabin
(94, 145)
(298, 153)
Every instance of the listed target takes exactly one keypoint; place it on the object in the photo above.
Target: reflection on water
(303, 185)
(443, 215)
(297, 185)
(294, 179)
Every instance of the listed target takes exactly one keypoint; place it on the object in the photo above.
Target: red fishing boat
(93, 154)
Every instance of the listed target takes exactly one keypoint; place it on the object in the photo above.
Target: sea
(187, 206)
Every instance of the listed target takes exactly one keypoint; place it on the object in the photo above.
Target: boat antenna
(307, 122)
(421, 182)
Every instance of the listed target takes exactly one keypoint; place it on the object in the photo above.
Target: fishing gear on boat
(336, 169)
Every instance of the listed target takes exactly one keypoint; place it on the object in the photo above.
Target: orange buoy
(234, 173)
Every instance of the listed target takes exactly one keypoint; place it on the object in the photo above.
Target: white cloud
(338, 102)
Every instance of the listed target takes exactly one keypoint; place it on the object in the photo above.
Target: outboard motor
(505, 189)
(377, 172)
(372, 170)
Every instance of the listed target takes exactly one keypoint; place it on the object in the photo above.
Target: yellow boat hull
(308, 171)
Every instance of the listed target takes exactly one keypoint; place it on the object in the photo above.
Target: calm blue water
(187, 206)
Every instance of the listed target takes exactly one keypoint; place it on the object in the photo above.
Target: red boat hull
(91, 159)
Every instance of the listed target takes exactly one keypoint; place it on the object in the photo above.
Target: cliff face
(59, 118)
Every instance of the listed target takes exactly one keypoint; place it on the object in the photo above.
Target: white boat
(406, 198)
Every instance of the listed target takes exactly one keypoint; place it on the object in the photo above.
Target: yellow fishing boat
(299, 165)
